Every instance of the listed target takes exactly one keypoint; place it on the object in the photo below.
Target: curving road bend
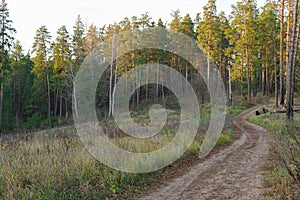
(233, 173)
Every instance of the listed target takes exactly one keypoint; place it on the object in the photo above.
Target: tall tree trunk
(49, 97)
(147, 83)
(263, 80)
(55, 102)
(275, 69)
(111, 77)
(67, 109)
(281, 75)
(208, 71)
(290, 67)
(60, 106)
(157, 82)
(1, 72)
(268, 79)
(248, 77)
(115, 87)
(229, 87)
(138, 85)
(1, 96)
(74, 101)
(276, 78)
(295, 61)
(288, 41)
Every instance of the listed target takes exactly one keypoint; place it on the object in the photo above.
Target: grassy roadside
(61, 168)
(281, 177)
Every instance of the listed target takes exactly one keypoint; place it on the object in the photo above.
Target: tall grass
(44, 167)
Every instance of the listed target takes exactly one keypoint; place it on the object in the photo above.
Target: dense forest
(254, 48)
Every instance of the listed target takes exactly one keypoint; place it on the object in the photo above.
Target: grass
(46, 167)
(285, 152)
(235, 110)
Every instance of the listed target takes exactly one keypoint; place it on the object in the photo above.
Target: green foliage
(235, 110)
(224, 139)
(77, 43)
(34, 121)
(245, 41)
(41, 49)
(8, 120)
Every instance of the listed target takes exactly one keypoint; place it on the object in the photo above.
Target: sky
(29, 15)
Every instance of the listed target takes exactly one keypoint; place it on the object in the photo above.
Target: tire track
(233, 173)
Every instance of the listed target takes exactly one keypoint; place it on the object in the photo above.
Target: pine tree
(187, 26)
(293, 49)
(78, 52)
(145, 21)
(281, 51)
(19, 70)
(62, 60)
(92, 39)
(244, 23)
(209, 34)
(175, 24)
(223, 58)
(267, 42)
(42, 68)
(6, 33)
(160, 24)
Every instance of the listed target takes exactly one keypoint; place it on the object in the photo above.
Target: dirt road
(233, 173)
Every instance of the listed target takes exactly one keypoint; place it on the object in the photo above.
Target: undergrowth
(46, 167)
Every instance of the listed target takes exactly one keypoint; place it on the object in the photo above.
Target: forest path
(233, 173)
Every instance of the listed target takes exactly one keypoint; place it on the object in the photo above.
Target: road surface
(233, 173)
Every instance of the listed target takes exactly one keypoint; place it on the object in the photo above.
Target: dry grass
(283, 176)
(48, 167)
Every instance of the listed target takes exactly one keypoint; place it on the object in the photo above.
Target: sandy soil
(233, 173)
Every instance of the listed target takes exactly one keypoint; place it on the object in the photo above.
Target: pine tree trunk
(281, 75)
(67, 109)
(111, 78)
(115, 86)
(288, 42)
(208, 72)
(147, 83)
(248, 77)
(75, 100)
(290, 67)
(229, 87)
(137, 87)
(55, 102)
(157, 82)
(1, 73)
(263, 72)
(1, 98)
(49, 97)
(276, 80)
(60, 106)
(275, 70)
(295, 61)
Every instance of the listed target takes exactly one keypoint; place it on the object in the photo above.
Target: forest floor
(235, 172)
